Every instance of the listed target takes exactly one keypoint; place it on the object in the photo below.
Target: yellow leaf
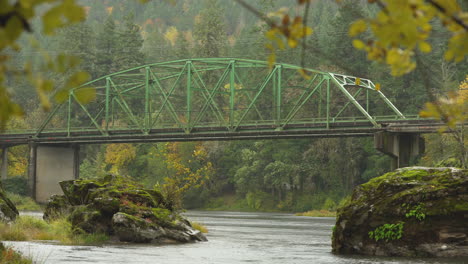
(52, 20)
(357, 27)
(358, 44)
(77, 79)
(425, 47)
(292, 42)
(13, 28)
(271, 60)
(85, 95)
(304, 74)
(377, 86)
(61, 96)
(358, 81)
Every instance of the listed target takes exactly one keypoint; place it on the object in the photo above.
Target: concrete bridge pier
(400, 146)
(48, 165)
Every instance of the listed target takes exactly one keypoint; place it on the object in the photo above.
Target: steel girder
(220, 95)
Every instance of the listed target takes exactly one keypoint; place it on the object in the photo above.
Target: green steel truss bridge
(219, 99)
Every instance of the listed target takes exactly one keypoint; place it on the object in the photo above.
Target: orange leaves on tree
(190, 169)
(285, 32)
(119, 155)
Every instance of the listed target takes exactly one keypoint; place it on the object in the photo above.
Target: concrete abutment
(402, 147)
(48, 165)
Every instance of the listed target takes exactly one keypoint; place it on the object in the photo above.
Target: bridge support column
(4, 167)
(400, 146)
(48, 165)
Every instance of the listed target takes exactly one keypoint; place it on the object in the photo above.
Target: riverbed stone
(8, 211)
(119, 207)
(414, 211)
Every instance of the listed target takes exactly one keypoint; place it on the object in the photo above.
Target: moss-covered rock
(413, 211)
(57, 205)
(117, 206)
(8, 211)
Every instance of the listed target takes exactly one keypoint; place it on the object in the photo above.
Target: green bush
(23, 203)
(387, 232)
(329, 205)
(259, 199)
(16, 185)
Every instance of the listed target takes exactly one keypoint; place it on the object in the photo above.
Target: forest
(270, 175)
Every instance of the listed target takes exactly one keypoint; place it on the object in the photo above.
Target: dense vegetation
(294, 175)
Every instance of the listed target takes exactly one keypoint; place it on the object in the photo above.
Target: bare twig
(304, 30)
(257, 13)
(305, 47)
(453, 17)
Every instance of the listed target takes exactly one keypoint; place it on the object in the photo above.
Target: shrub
(23, 203)
(329, 205)
(199, 227)
(10, 256)
(16, 185)
(387, 232)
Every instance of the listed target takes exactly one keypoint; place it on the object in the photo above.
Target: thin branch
(318, 52)
(453, 17)
(257, 13)
(304, 30)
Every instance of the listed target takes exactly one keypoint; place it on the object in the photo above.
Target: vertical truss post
(278, 96)
(367, 100)
(232, 89)
(147, 101)
(112, 114)
(328, 101)
(189, 95)
(107, 103)
(69, 114)
(320, 102)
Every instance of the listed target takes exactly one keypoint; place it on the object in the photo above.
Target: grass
(318, 213)
(27, 228)
(8, 255)
(23, 203)
(199, 227)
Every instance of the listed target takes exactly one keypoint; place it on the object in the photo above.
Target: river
(234, 237)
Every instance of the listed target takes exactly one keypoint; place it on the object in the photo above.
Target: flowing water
(233, 238)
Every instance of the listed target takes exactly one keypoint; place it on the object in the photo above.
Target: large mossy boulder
(8, 211)
(414, 211)
(117, 206)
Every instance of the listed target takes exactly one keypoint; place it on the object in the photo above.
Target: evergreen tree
(209, 32)
(106, 47)
(78, 40)
(129, 44)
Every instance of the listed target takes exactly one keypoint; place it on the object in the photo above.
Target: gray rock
(8, 211)
(439, 196)
(132, 229)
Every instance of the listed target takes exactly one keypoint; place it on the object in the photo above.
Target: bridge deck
(92, 136)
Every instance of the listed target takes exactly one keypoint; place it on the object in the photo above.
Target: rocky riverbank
(120, 208)
(414, 211)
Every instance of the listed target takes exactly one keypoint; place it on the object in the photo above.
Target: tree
(189, 170)
(129, 44)
(210, 36)
(15, 19)
(106, 49)
(453, 110)
(119, 156)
